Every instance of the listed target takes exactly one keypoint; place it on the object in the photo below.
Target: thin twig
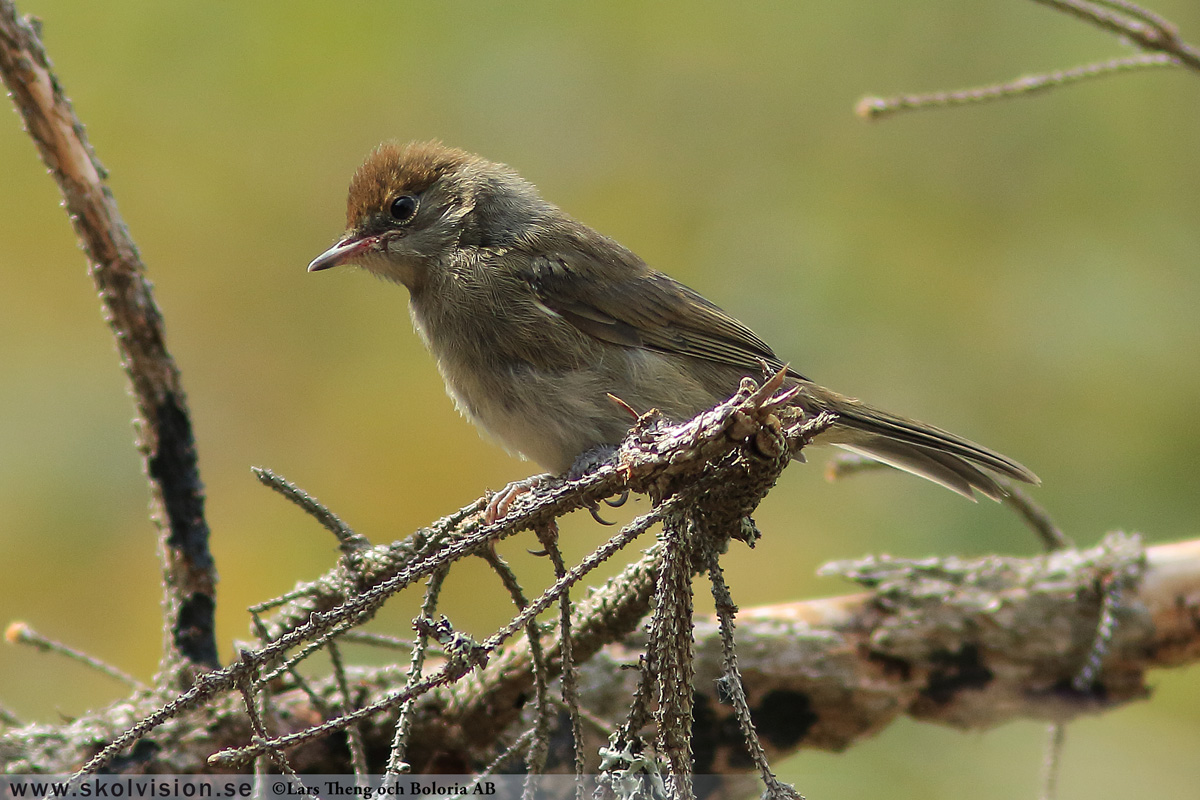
(602, 726)
(726, 610)
(260, 732)
(276, 602)
(396, 765)
(22, 633)
(349, 541)
(381, 640)
(1165, 27)
(874, 108)
(354, 738)
(235, 756)
(1052, 761)
(628, 733)
(539, 734)
(598, 556)
(297, 678)
(262, 764)
(521, 743)
(1140, 26)
(548, 536)
(1035, 516)
(1156, 36)
(669, 653)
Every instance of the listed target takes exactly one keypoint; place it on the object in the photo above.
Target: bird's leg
(589, 460)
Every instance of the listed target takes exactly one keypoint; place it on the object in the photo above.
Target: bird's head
(412, 206)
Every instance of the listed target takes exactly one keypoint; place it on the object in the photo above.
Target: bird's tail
(935, 454)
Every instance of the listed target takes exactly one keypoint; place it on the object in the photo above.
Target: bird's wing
(632, 305)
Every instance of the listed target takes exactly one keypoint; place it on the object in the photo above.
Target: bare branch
(22, 633)
(351, 543)
(1156, 36)
(163, 425)
(874, 108)
(1127, 19)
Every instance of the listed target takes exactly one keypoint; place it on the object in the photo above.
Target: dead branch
(967, 643)
(164, 428)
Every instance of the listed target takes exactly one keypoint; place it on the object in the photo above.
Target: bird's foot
(502, 500)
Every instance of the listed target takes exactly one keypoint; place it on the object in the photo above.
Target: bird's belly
(552, 417)
(548, 419)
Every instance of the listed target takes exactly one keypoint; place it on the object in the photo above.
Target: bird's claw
(618, 501)
(595, 512)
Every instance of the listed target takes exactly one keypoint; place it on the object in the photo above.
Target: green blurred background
(1026, 274)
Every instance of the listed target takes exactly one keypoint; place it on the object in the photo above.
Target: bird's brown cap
(393, 169)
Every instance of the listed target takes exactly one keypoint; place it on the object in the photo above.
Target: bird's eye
(403, 208)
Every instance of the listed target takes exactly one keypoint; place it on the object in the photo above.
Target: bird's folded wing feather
(632, 305)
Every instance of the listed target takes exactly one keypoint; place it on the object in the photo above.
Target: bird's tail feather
(935, 454)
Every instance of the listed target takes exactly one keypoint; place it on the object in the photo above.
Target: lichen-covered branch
(970, 643)
(699, 464)
(967, 643)
(164, 426)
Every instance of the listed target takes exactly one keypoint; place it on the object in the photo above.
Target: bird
(535, 319)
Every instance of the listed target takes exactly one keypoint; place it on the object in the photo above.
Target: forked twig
(1157, 37)
(396, 764)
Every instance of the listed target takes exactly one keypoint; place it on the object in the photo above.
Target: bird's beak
(349, 248)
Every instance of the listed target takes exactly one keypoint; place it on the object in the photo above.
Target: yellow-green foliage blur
(1026, 274)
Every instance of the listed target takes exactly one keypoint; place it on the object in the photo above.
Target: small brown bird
(535, 318)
